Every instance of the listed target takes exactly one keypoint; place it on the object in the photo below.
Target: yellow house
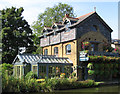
(67, 39)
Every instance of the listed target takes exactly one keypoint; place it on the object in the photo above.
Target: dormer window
(55, 33)
(67, 24)
(44, 33)
(45, 36)
(55, 28)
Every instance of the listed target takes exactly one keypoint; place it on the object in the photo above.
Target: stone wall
(88, 25)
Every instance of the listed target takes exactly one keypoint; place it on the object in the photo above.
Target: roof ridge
(86, 14)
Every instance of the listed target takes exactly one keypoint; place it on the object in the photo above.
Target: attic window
(95, 28)
(55, 33)
(45, 35)
(67, 24)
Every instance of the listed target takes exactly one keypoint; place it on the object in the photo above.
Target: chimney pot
(66, 15)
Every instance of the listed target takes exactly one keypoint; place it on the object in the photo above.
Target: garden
(99, 67)
(29, 83)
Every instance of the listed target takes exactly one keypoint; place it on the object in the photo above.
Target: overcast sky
(107, 9)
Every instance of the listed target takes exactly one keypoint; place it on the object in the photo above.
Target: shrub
(60, 84)
(90, 72)
(6, 67)
(12, 84)
(87, 83)
(31, 75)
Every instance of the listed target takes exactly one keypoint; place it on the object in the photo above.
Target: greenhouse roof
(31, 58)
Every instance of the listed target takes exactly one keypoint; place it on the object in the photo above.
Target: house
(67, 39)
(63, 45)
(116, 45)
(43, 66)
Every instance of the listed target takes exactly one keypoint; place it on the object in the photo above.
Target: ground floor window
(42, 71)
(34, 68)
(18, 71)
(67, 70)
(54, 71)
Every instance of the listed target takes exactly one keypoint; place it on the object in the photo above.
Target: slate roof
(31, 58)
(76, 21)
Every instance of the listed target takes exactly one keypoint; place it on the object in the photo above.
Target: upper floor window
(68, 49)
(46, 52)
(55, 50)
(55, 33)
(95, 28)
(45, 34)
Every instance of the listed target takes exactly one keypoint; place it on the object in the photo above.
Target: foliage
(6, 67)
(90, 65)
(31, 75)
(15, 33)
(50, 15)
(12, 84)
(90, 72)
(54, 14)
(105, 59)
(60, 84)
(104, 67)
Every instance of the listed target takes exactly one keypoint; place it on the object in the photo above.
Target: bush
(12, 84)
(61, 84)
(31, 75)
(6, 67)
(87, 83)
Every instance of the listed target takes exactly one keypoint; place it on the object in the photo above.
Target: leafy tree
(15, 33)
(50, 15)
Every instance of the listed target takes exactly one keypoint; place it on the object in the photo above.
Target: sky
(107, 9)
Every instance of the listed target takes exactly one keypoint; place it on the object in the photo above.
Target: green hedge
(65, 83)
(104, 59)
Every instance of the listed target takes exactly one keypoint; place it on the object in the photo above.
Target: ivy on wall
(103, 67)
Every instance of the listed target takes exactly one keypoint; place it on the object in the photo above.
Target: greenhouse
(43, 66)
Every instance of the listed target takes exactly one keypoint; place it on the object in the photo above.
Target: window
(94, 47)
(35, 69)
(68, 49)
(67, 24)
(42, 72)
(55, 33)
(18, 71)
(46, 52)
(95, 28)
(55, 50)
(45, 35)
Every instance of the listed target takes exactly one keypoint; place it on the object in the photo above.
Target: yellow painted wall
(62, 50)
(73, 55)
(49, 50)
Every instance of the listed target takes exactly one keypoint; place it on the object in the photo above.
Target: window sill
(68, 53)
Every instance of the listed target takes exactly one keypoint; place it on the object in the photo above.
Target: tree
(50, 15)
(15, 33)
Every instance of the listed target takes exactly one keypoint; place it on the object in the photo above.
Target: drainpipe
(47, 70)
(38, 69)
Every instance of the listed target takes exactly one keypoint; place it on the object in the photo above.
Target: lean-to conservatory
(43, 66)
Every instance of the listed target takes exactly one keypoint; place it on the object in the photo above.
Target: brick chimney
(66, 15)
